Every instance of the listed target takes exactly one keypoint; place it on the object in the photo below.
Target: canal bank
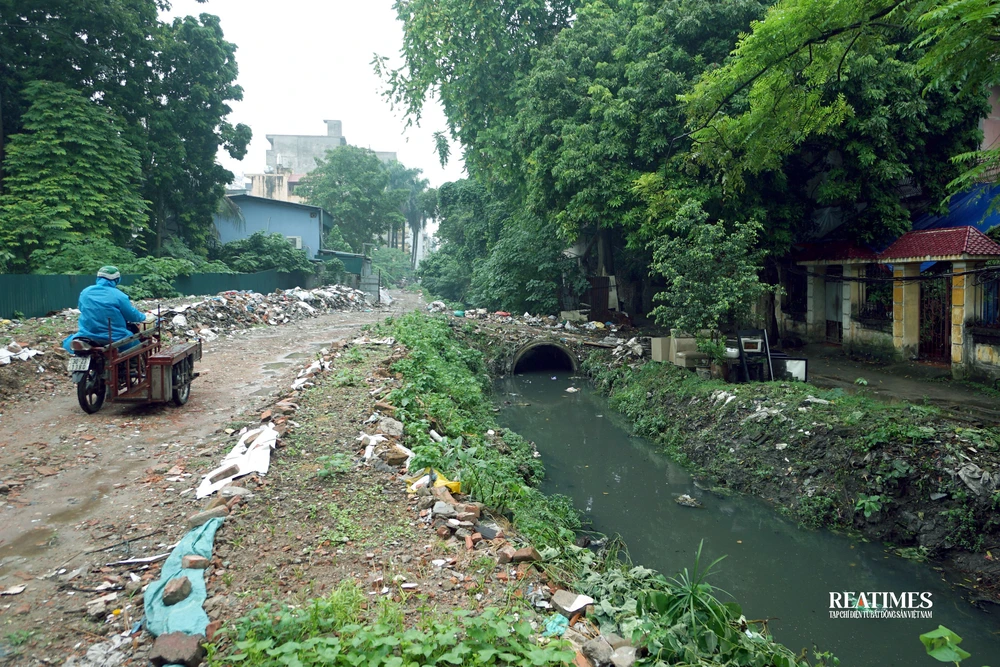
(772, 566)
(669, 620)
(898, 473)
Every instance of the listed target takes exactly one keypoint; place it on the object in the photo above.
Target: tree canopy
(660, 131)
(71, 176)
(353, 185)
(166, 87)
(812, 67)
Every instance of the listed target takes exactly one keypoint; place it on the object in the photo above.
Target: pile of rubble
(231, 311)
(503, 317)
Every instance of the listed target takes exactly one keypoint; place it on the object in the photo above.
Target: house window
(989, 299)
(875, 297)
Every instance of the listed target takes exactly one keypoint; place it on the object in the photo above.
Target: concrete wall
(816, 304)
(985, 362)
(275, 217)
(269, 186)
(299, 153)
(906, 310)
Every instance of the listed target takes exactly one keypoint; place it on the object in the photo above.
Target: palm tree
(427, 202)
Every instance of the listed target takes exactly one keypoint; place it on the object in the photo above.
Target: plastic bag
(428, 477)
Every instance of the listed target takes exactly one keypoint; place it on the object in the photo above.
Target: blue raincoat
(99, 303)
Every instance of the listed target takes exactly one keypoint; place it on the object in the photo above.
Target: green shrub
(262, 252)
(394, 264)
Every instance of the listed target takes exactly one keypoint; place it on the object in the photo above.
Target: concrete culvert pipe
(543, 356)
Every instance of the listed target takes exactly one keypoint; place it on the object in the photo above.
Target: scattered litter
(365, 340)
(556, 626)
(148, 560)
(14, 590)
(570, 603)
(15, 352)
(242, 460)
(817, 401)
(428, 477)
(112, 653)
(687, 501)
(572, 390)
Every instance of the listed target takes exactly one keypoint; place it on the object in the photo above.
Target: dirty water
(773, 568)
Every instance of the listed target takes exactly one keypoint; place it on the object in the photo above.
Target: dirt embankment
(898, 473)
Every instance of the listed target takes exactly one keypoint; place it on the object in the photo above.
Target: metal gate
(935, 319)
(600, 291)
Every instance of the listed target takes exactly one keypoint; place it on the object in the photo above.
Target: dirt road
(77, 483)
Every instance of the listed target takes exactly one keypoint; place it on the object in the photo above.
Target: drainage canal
(772, 568)
(543, 356)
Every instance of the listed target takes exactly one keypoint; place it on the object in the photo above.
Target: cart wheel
(91, 392)
(182, 385)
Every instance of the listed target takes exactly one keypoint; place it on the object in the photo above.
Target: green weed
(869, 505)
(332, 631)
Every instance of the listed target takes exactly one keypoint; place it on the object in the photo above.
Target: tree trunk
(413, 250)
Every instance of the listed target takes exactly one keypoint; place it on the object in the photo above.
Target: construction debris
(228, 312)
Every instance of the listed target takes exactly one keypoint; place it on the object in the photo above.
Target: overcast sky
(304, 61)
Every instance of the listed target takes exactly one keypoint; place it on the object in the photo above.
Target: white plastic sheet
(19, 353)
(251, 454)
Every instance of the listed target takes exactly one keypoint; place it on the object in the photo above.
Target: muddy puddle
(773, 568)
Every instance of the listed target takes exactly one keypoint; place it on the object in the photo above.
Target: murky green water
(772, 568)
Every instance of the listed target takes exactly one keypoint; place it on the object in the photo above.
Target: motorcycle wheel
(182, 385)
(90, 392)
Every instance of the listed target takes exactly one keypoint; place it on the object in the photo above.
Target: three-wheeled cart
(136, 369)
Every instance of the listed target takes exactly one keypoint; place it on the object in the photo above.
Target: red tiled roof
(947, 242)
(833, 251)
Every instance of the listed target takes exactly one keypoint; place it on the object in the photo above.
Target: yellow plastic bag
(428, 477)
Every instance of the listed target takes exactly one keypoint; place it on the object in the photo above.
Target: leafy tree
(599, 108)
(186, 127)
(526, 270)
(101, 48)
(710, 269)
(82, 257)
(262, 252)
(470, 222)
(444, 275)
(394, 265)
(70, 176)
(332, 271)
(812, 66)
(169, 86)
(407, 185)
(352, 184)
(335, 240)
(427, 203)
(470, 55)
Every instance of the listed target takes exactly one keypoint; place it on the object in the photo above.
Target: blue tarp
(966, 209)
(186, 616)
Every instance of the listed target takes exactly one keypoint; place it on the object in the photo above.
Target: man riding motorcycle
(102, 303)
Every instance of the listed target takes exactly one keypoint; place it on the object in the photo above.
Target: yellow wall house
(930, 294)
